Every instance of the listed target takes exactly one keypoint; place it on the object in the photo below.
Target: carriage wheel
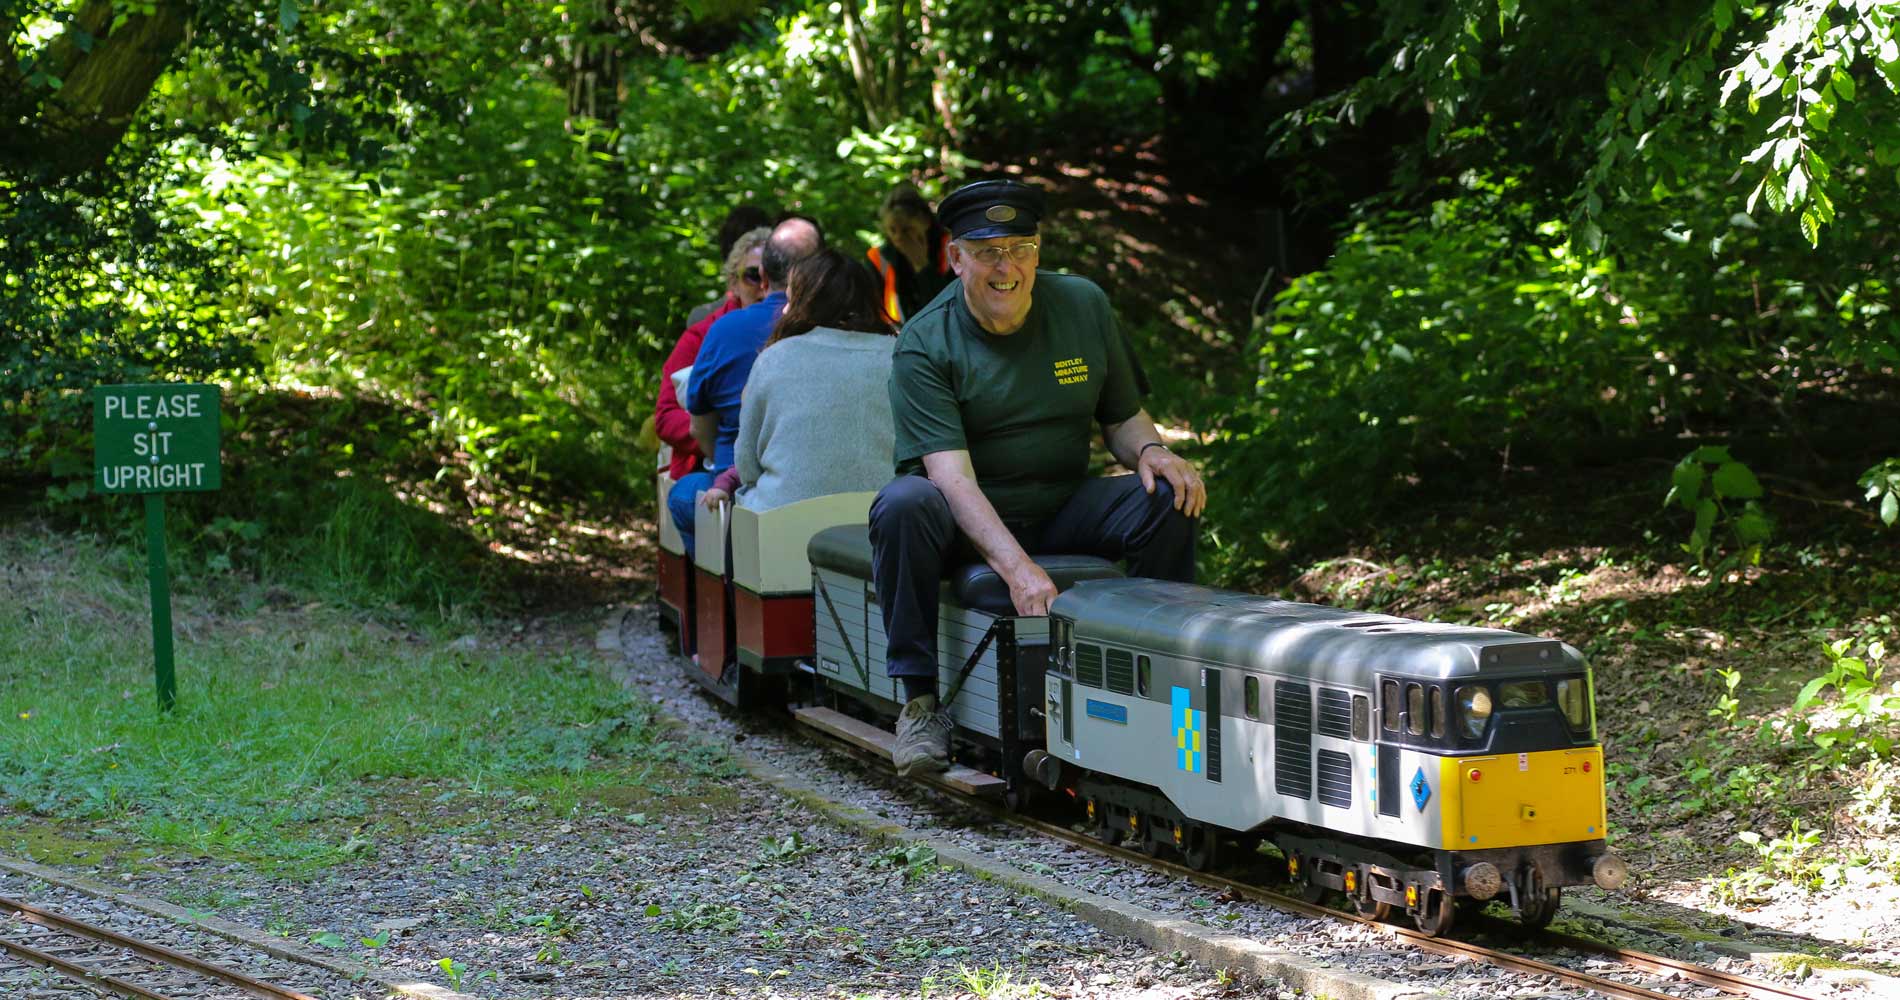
(1436, 914)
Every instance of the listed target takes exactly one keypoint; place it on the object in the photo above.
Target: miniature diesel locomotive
(1406, 764)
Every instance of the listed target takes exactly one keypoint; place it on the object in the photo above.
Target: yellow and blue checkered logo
(1189, 733)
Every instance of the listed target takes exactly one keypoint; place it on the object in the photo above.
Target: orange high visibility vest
(893, 308)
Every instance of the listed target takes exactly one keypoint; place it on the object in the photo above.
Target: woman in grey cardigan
(816, 414)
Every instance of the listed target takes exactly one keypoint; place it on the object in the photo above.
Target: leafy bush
(1432, 336)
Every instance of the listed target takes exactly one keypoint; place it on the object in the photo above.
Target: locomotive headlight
(1474, 709)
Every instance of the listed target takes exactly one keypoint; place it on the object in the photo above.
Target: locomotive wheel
(1201, 848)
(1148, 840)
(1540, 906)
(1436, 914)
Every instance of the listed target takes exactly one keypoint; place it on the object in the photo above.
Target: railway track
(107, 963)
(1636, 962)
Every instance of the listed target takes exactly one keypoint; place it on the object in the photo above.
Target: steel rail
(1700, 975)
(34, 956)
(147, 950)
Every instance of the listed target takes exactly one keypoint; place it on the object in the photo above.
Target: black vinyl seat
(847, 549)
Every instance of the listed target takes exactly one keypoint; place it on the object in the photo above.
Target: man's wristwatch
(1163, 445)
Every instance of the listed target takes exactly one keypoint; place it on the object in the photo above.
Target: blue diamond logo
(1421, 792)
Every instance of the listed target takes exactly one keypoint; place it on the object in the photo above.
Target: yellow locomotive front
(1521, 810)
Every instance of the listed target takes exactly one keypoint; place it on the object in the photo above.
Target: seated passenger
(914, 262)
(741, 220)
(725, 362)
(817, 414)
(745, 285)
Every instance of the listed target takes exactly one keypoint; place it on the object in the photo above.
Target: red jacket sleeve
(670, 420)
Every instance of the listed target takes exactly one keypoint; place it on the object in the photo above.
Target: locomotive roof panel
(1313, 640)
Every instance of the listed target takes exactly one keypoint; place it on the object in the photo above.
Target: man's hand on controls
(1190, 492)
(1030, 589)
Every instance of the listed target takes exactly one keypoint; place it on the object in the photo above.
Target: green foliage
(1787, 858)
(1706, 483)
(1727, 705)
(1882, 483)
(1431, 336)
(916, 860)
(1863, 720)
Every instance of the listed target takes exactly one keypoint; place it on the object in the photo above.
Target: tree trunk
(593, 82)
(939, 76)
(863, 68)
(101, 88)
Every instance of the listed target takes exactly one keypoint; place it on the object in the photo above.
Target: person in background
(745, 285)
(913, 265)
(725, 362)
(816, 418)
(741, 220)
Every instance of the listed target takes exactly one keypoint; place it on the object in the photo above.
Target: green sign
(155, 438)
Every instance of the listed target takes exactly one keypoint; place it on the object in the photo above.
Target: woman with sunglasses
(745, 284)
(816, 417)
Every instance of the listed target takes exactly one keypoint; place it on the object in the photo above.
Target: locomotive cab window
(1389, 708)
(1251, 696)
(1474, 710)
(1361, 718)
(1415, 709)
(1573, 696)
(1523, 694)
(1438, 712)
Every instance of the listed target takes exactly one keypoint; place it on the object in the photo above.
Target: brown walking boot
(923, 738)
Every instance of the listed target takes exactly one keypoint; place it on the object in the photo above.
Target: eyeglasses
(751, 276)
(992, 256)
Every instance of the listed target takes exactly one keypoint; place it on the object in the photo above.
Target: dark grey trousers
(914, 539)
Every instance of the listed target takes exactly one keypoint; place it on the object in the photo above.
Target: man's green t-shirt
(1024, 405)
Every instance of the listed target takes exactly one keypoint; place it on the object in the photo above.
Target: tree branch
(101, 85)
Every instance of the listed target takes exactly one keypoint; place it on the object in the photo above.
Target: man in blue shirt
(725, 362)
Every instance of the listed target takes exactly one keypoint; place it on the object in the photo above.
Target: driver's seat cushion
(847, 549)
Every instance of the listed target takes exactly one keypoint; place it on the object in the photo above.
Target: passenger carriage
(753, 624)
(673, 572)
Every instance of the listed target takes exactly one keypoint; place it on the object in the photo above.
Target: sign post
(154, 440)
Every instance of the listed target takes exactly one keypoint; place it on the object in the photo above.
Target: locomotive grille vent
(1335, 779)
(1213, 724)
(1088, 664)
(1121, 671)
(1335, 714)
(1293, 739)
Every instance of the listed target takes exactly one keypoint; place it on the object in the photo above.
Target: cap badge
(999, 213)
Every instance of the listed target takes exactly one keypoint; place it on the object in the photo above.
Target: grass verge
(303, 732)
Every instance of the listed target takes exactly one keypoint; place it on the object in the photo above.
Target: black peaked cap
(987, 209)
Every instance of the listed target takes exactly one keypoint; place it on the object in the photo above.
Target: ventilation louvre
(1335, 714)
(1088, 664)
(1121, 671)
(1293, 739)
(1335, 779)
